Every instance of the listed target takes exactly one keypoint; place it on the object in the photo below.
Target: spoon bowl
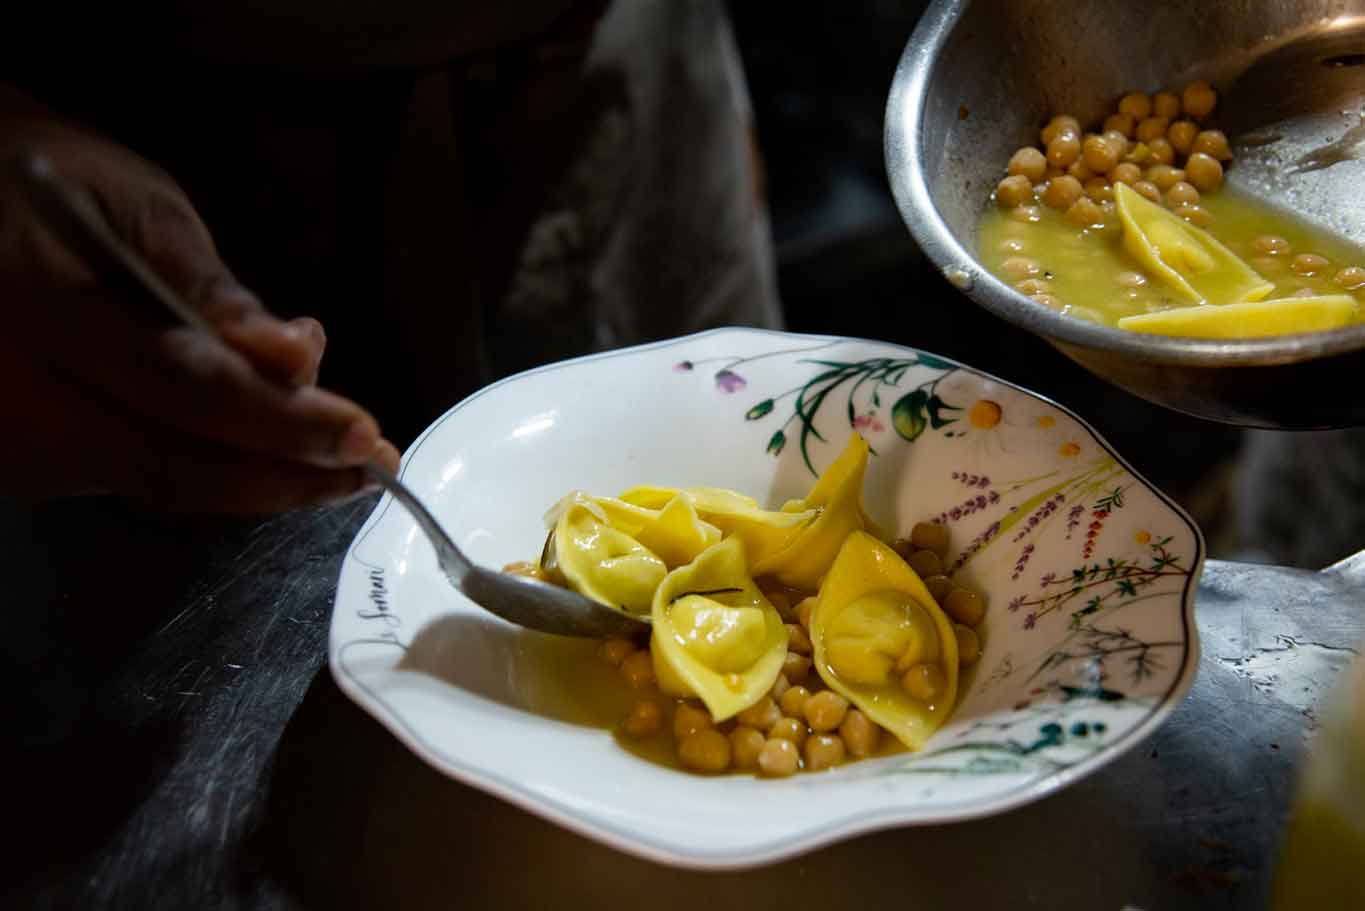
(977, 80)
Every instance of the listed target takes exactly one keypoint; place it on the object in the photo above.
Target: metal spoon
(75, 219)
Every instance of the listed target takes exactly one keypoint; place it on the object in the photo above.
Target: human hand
(98, 399)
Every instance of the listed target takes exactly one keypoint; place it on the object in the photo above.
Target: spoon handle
(451, 559)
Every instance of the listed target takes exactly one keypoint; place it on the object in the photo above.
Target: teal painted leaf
(759, 410)
(907, 415)
(928, 360)
(776, 442)
(936, 407)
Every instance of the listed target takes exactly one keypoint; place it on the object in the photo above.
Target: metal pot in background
(976, 81)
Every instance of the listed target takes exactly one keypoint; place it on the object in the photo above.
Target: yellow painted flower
(1046, 421)
(1143, 537)
(1070, 449)
(985, 414)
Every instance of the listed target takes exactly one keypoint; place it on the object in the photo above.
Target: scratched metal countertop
(176, 742)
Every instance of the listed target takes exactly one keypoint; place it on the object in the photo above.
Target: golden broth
(1094, 278)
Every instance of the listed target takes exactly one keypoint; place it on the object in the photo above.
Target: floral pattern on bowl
(1088, 570)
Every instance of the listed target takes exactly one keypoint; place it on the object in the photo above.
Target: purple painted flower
(728, 381)
(682, 367)
(1016, 602)
(1048, 579)
(1030, 621)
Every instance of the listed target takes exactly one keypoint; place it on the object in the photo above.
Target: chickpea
(1214, 144)
(1085, 213)
(1012, 245)
(1079, 170)
(1304, 292)
(1061, 192)
(615, 650)
(646, 718)
(930, 536)
(1120, 123)
(1271, 245)
(1165, 176)
(1350, 278)
(1028, 162)
(1022, 267)
(1131, 279)
(825, 710)
(925, 682)
(1194, 214)
(1166, 104)
(939, 587)
(1098, 189)
(926, 562)
(1198, 99)
(745, 745)
(1027, 287)
(1050, 301)
(968, 644)
(824, 751)
(1204, 171)
(1059, 125)
(859, 733)
(1063, 149)
(1013, 191)
(1118, 141)
(1136, 105)
(688, 719)
(1182, 135)
(788, 729)
(1182, 194)
(780, 687)
(528, 569)
(793, 701)
(797, 639)
(1152, 128)
(807, 607)
(638, 669)
(796, 667)
(705, 751)
(1100, 155)
(1309, 263)
(1054, 172)
(763, 714)
(1027, 214)
(1267, 265)
(1162, 152)
(965, 606)
(1148, 190)
(1125, 172)
(778, 758)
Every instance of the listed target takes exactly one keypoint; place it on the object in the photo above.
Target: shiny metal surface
(526, 602)
(978, 78)
(190, 750)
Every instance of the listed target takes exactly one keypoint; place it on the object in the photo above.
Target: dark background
(818, 79)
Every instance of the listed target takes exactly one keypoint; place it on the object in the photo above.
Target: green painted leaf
(759, 410)
(936, 407)
(776, 442)
(907, 415)
(928, 360)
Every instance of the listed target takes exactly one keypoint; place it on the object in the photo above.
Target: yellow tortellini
(883, 643)
(603, 562)
(837, 499)
(715, 635)
(763, 532)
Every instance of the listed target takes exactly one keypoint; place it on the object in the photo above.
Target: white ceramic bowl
(1089, 573)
